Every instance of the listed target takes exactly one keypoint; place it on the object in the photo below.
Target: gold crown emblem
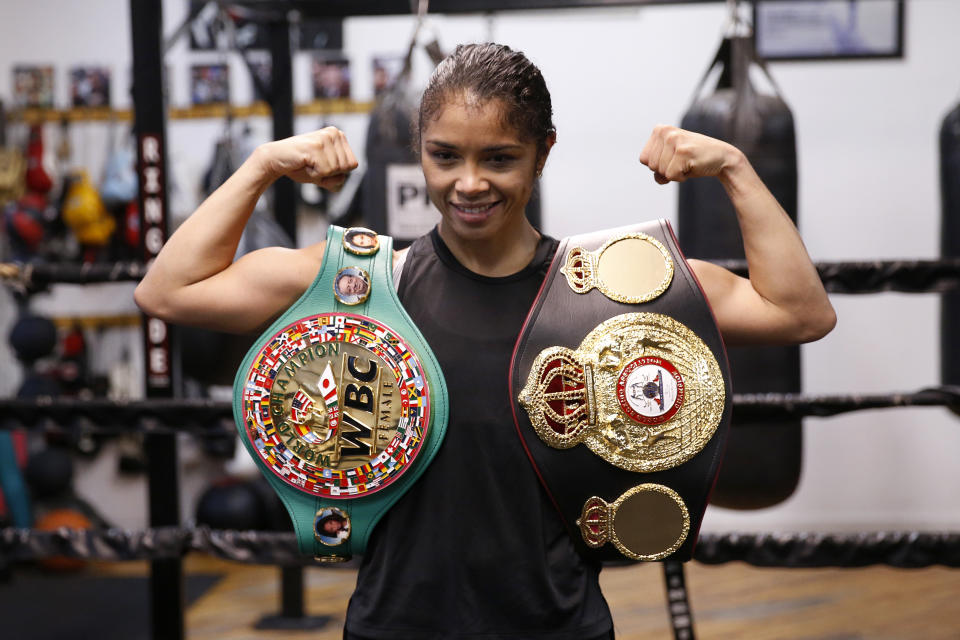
(559, 398)
(594, 522)
(580, 270)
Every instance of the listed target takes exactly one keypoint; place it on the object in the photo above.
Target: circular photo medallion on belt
(331, 526)
(336, 405)
(650, 390)
(361, 241)
(351, 285)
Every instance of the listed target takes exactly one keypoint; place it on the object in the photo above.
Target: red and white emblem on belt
(650, 390)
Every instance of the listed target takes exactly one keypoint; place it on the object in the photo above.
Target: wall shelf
(35, 115)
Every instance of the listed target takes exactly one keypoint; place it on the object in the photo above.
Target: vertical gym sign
(154, 235)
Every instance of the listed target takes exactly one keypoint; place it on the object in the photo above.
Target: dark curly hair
(493, 72)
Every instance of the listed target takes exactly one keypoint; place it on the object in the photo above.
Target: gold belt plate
(642, 391)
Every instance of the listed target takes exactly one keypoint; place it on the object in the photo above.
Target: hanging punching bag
(393, 194)
(761, 465)
(950, 243)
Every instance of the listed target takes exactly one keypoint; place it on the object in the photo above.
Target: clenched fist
(322, 157)
(675, 154)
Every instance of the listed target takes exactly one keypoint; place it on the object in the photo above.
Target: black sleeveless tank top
(474, 549)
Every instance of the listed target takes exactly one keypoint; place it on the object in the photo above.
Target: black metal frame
(167, 592)
(827, 57)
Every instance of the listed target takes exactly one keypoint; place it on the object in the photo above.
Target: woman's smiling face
(479, 171)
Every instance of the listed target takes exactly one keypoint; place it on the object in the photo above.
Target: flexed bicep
(243, 297)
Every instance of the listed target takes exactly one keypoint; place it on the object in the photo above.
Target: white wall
(868, 189)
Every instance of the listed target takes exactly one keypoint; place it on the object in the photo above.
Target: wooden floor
(731, 601)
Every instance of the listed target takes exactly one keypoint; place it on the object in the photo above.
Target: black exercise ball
(231, 504)
(277, 517)
(33, 337)
(49, 473)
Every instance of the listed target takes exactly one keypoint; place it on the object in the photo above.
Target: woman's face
(363, 240)
(479, 171)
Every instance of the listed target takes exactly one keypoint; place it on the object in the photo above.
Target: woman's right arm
(194, 279)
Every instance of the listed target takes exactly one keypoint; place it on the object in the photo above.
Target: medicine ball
(57, 519)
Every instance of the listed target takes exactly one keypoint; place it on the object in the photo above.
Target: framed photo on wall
(90, 87)
(33, 86)
(828, 29)
(331, 77)
(386, 70)
(209, 84)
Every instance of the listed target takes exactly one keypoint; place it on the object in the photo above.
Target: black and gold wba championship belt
(621, 393)
(340, 402)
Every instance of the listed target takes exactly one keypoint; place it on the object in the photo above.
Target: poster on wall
(33, 86)
(331, 77)
(828, 29)
(209, 84)
(90, 87)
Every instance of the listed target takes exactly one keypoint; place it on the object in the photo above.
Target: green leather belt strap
(278, 398)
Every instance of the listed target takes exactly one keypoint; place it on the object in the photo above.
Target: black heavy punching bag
(761, 466)
(393, 193)
(950, 244)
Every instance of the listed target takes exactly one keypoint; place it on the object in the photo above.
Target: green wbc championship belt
(340, 402)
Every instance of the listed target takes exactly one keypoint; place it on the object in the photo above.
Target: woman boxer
(474, 548)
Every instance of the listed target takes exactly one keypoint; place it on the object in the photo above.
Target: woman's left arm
(783, 301)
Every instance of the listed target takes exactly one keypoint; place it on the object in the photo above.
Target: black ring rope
(757, 407)
(907, 549)
(215, 417)
(36, 276)
(905, 276)
(874, 276)
(911, 549)
(101, 415)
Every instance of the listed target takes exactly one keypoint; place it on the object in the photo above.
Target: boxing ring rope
(868, 276)
(902, 549)
(214, 417)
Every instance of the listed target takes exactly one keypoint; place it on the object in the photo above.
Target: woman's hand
(675, 154)
(321, 157)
